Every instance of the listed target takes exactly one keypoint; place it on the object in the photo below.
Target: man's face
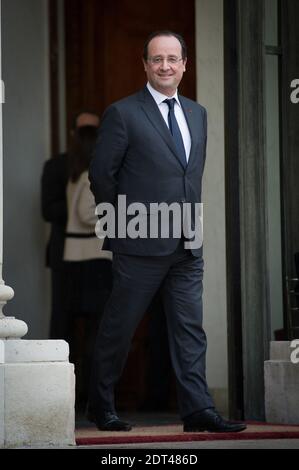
(87, 119)
(165, 76)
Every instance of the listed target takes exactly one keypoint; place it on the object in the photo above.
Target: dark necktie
(175, 131)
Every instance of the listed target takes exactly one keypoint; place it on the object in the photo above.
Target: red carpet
(174, 433)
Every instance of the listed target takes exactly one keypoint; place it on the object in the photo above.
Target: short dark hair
(81, 151)
(83, 111)
(165, 32)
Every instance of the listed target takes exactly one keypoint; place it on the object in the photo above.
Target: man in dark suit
(151, 148)
(54, 210)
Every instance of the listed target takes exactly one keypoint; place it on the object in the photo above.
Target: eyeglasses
(160, 60)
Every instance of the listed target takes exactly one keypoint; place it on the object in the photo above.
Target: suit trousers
(136, 280)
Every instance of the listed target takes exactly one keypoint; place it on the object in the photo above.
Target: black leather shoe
(109, 422)
(210, 420)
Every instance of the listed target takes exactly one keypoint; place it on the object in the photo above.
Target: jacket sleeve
(110, 151)
(53, 197)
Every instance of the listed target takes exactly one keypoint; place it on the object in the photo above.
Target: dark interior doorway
(103, 43)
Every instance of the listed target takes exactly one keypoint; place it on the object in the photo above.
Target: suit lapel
(153, 113)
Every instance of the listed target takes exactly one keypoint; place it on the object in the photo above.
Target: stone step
(37, 394)
(14, 351)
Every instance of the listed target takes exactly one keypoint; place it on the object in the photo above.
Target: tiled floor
(249, 444)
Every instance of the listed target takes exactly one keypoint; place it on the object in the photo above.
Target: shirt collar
(159, 97)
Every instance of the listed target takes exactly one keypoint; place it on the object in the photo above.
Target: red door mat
(174, 433)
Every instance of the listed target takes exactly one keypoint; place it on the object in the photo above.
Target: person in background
(54, 210)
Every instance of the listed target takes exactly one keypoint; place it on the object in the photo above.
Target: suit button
(183, 200)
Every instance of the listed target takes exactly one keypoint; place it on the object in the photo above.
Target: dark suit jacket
(54, 207)
(136, 156)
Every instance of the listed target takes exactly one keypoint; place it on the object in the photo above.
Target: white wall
(26, 130)
(210, 93)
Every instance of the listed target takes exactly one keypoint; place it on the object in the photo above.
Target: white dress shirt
(179, 114)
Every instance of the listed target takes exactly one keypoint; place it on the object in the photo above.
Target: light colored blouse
(81, 242)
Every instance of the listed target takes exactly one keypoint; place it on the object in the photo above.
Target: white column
(10, 327)
(37, 382)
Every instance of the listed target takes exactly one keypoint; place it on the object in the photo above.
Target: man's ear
(184, 64)
(144, 65)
